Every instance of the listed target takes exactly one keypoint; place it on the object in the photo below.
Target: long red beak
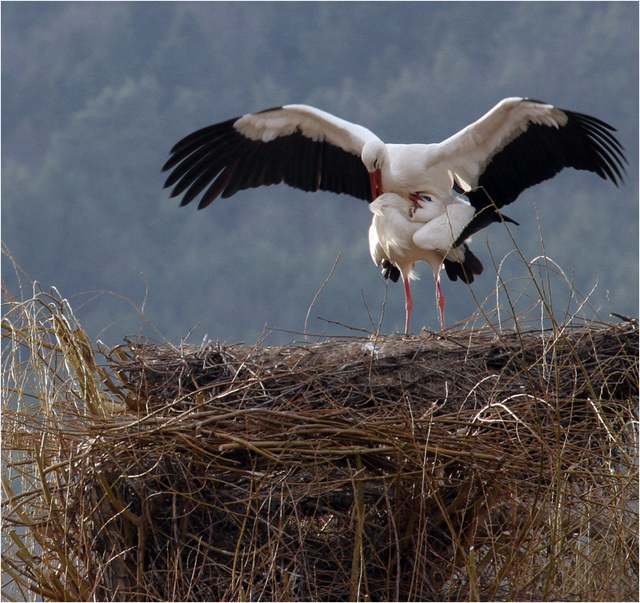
(375, 178)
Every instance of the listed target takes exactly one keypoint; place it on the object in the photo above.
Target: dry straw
(472, 464)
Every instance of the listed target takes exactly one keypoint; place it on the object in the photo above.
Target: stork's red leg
(440, 299)
(408, 305)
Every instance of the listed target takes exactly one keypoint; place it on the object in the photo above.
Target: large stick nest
(442, 467)
(380, 468)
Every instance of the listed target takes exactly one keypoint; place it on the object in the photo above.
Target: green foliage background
(95, 94)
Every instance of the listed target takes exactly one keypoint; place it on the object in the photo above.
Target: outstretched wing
(520, 143)
(299, 145)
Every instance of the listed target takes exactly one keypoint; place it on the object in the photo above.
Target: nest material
(393, 469)
(469, 465)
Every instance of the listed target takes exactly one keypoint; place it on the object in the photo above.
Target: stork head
(374, 156)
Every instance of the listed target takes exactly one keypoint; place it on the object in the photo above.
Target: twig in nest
(306, 320)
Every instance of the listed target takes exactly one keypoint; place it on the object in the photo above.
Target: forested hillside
(95, 94)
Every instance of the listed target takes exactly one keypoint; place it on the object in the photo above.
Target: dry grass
(478, 464)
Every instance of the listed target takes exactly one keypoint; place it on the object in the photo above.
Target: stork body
(517, 144)
(401, 235)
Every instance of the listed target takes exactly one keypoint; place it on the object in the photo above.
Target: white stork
(518, 143)
(402, 234)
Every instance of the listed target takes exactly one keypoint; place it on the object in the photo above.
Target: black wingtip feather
(466, 270)
(390, 271)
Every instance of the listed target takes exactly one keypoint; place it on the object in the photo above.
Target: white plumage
(401, 235)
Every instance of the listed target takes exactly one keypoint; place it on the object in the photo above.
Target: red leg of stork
(439, 299)
(408, 305)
